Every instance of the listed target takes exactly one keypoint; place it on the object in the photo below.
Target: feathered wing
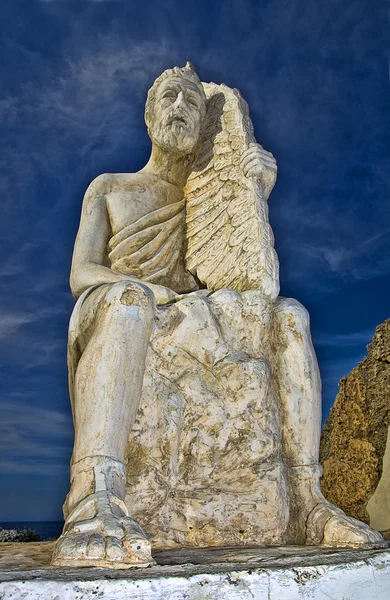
(230, 243)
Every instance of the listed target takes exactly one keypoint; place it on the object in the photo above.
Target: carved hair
(187, 72)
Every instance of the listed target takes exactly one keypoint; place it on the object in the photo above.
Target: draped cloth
(153, 249)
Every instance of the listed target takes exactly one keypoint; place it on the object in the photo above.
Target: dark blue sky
(74, 81)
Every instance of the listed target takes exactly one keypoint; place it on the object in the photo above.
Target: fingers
(169, 296)
(255, 160)
(256, 167)
(260, 155)
(256, 164)
(254, 148)
(164, 295)
(254, 172)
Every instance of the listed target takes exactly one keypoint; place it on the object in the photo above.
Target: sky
(74, 80)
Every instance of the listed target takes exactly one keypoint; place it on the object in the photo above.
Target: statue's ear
(147, 117)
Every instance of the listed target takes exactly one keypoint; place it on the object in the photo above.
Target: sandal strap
(307, 471)
(93, 499)
(101, 463)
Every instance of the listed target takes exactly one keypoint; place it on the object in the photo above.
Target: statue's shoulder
(115, 182)
(100, 186)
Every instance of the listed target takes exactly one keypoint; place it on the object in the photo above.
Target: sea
(45, 529)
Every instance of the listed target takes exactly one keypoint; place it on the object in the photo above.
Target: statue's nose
(180, 99)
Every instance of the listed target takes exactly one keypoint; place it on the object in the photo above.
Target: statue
(177, 284)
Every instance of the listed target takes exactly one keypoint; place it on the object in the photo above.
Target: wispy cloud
(32, 438)
(346, 262)
(16, 263)
(46, 353)
(85, 97)
(32, 418)
(12, 320)
(353, 255)
(28, 466)
(344, 340)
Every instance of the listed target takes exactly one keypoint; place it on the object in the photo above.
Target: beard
(175, 133)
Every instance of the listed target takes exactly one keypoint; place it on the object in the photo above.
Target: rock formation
(354, 437)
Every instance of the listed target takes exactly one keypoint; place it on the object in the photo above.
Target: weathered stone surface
(354, 436)
(224, 573)
(225, 449)
(204, 461)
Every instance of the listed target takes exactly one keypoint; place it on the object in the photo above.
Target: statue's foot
(100, 533)
(320, 523)
(327, 525)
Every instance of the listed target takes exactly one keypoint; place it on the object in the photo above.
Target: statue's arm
(90, 249)
(89, 255)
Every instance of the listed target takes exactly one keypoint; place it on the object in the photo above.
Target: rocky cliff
(354, 436)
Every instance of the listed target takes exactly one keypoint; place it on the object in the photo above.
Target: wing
(230, 243)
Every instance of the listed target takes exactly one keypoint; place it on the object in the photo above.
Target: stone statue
(184, 362)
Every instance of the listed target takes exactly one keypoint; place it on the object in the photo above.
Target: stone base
(204, 459)
(222, 573)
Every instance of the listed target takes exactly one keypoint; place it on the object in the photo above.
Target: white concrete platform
(286, 573)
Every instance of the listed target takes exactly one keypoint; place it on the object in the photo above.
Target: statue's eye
(171, 94)
(192, 100)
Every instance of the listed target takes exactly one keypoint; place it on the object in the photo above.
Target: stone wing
(230, 243)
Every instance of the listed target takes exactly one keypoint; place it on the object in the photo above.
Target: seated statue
(195, 389)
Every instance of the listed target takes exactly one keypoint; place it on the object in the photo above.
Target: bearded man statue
(195, 389)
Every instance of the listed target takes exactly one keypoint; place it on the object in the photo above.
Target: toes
(95, 546)
(104, 540)
(81, 540)
(66, 546)
(377, 537)
(329, 526)
(339, 532)
(138, 550)
(342, 531)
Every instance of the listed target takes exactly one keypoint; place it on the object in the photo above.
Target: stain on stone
(136, 461)
(127, 298)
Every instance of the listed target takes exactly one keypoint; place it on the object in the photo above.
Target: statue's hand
(257, 162)
(162, 294)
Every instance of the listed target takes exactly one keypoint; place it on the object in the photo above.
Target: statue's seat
(204, 464)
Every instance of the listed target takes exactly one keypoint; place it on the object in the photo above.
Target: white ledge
(224, 574)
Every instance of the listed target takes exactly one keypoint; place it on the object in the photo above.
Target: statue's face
(176, 120)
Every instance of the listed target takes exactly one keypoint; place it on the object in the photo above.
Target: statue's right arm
(89, 263)
(89, 255)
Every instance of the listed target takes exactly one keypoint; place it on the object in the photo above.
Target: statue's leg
(313, 519)
(108, 384)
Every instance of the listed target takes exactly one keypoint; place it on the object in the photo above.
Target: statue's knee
(128, 293)
(292, 313)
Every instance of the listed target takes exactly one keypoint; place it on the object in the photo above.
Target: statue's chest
(128, 205)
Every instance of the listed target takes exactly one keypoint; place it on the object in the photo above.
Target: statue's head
(175, 108)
